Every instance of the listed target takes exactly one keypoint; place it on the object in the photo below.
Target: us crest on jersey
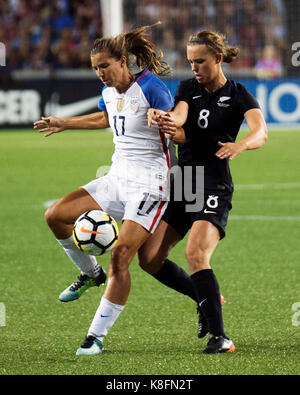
(120, 104)
(134, 103)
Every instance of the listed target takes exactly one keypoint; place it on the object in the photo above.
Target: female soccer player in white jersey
(211, 109)
(135, 189)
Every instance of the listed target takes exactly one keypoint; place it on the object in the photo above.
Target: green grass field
(257, 265)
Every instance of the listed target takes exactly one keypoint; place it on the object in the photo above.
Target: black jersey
(212, 117)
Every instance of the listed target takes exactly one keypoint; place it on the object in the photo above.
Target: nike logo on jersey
(209, 212)
(196, 97)
(90, 231)
(221, 101)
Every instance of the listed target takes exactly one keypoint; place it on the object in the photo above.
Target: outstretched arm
(97, 120)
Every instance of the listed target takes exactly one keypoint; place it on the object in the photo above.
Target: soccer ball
(95, 232)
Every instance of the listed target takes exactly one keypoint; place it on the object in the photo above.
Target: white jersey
(137, 146)
(136, 187)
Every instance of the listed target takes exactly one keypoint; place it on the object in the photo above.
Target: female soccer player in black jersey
(211, 109)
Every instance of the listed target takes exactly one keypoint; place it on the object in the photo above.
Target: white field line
(282, 185)
(49, 203)
(278, 186)
(262, 218)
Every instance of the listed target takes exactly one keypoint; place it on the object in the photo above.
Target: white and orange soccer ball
(95, 232)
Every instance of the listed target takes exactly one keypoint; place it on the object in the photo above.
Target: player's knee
(55, 216)
(150, 263)
(144, 260)
(120, 258)
(197, 258)
(51, 216)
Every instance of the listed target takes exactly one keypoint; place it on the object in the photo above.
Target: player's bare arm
(51, 125)
(256, 138)
(166, 125)
(178, 115)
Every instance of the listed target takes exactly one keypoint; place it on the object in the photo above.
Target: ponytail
(230, 54)
(134, 44)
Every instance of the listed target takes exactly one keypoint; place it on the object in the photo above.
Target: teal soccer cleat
(84, 282)
(90, 346)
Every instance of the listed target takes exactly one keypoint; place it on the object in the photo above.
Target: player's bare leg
(201, 243)
(155, 251)
(132, 236)
(60, 217)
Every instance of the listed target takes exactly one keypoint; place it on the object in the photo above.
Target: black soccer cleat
(219, 344)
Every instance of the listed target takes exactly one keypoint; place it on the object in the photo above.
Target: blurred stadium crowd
(253, 25)
(39, 34)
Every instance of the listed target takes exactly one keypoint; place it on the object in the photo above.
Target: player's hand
(153, 116)
(50, 125)
(230, 150)
(166, 125)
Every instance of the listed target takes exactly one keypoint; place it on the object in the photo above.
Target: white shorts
(127, 199)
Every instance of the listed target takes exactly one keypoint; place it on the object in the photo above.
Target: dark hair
(216, 43)
(134, 44)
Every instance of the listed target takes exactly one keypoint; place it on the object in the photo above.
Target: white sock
(105, 316)
(87, 264)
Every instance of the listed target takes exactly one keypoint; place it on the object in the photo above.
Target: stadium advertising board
(279, 100)
(25, 102)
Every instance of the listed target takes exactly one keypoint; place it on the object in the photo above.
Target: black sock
(208, 292)
(176, 278)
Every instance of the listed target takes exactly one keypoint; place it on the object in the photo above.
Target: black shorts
(217, 204)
